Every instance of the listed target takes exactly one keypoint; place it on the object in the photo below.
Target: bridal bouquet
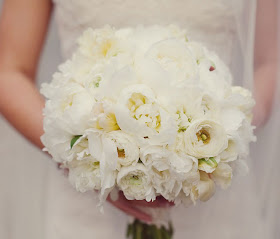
(150, 113)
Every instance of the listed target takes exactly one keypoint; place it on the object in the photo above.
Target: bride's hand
(131, 207)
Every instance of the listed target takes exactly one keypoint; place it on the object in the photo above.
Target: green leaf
(74, 140)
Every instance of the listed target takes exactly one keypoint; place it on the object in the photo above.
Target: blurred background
(21, 215)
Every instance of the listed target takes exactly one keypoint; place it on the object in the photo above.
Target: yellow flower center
(203, 135)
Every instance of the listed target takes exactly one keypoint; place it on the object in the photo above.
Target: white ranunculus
(223, 175)
(205, 138)
(204, 190)
(138, 113)
(135, 183)
(167, 169)
(84, 174)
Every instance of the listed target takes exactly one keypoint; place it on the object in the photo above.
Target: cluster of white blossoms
(146, 111)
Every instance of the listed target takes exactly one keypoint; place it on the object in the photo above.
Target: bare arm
(23, 27)
(266, 62)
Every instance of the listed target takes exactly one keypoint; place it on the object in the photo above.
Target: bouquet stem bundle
(142, 230)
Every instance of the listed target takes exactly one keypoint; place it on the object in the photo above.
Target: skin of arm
(23, 26)
(266, 59)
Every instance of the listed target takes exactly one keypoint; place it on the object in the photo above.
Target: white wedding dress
(225, 26)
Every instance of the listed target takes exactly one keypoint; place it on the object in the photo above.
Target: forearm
(21, 104)
(265, 85)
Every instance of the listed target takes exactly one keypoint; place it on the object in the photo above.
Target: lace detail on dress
(209, 22)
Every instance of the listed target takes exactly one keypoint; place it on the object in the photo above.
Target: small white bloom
(242, 99)
(126, 148)
(84, 174)
(135, 183)
(100, 44)
(103, 149)
(223, 175)
(204, 190)
(205, 138)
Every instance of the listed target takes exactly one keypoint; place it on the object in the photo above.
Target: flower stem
(141, 230)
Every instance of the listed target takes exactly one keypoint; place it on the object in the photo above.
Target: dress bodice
(210, 22)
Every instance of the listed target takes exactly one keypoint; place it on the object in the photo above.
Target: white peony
(135, 183)
(167, 170)
(103, 117)
(205, 138)
(138, 113)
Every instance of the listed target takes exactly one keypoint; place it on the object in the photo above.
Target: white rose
(205, 138)
(135, 183)
(223, 175)
(138, 113)
(84, 174)
(204, 190)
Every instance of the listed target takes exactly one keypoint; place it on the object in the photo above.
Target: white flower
(103, 117)
(231, 152)
(100, 44)
(138, 113)
(204, 190)
(125, 147)
(102, 149)
(135, 183)
(223, 175)
(84, 174)
(175, 57)
(242, 99)
(205, 138)
(70, 108)
(167, 170)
